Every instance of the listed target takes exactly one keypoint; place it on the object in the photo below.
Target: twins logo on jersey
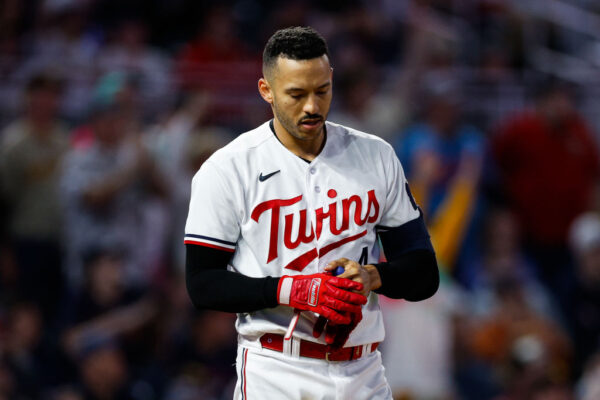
(321, 217)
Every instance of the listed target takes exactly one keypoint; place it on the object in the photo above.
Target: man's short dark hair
(295, 43)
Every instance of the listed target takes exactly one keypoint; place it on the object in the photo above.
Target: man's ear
(265, 90)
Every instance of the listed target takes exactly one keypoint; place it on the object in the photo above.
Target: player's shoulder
(243, 144)
(364, 140)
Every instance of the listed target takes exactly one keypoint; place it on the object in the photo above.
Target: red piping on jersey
(337, 244)
(214, 246)
(245, 364)
(299, 263)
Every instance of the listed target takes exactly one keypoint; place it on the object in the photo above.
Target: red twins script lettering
(321, 217)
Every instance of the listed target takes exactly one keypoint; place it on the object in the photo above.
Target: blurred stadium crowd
(108, 107)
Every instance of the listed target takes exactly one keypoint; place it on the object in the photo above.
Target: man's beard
(293, 127)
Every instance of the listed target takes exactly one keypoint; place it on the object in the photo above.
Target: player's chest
(292, 207)
(317, 190)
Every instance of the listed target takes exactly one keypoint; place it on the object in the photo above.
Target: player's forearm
(211, 286)
(411, 272)
(231, 292)
(413, 276)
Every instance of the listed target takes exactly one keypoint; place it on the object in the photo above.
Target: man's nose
(311, 105)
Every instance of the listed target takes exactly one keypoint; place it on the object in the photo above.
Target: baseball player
(275, 214)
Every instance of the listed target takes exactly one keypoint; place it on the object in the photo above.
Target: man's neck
(305, 149)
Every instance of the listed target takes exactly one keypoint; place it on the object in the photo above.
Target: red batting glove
(336, 335)
(342, 333)
(324, 294)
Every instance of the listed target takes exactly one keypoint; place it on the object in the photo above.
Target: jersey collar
(303, 159)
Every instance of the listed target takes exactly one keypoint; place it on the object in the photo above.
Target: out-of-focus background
(107, 108)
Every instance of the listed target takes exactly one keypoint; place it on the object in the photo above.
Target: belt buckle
(327, 353)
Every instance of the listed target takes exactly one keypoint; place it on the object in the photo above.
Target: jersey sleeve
(212, 218)
(402, 232)
(400, 206)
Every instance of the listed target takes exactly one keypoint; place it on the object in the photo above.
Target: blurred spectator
(516, 340)
(66, 393)
(363, 105)
(216, 41)
(63, 43)
(499, 24)
(203, 360)
(548, 164)
(105, 287)
(494, 87)
(431, 46)
(419, 361)
(588, 387)
(503, 259)
(11, 16)
(583, 307)
(29, 357)
(108, 309)
(180, 146)
(442, 157)
(103, 371)
(290, 13)
(129, 53)
(108, 186)
(7, 386)
(218, 61)
(175, 317)
(532, 386)
(32, 148)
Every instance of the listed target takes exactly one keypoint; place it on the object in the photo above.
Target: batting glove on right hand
(324, 294)
(336, 335)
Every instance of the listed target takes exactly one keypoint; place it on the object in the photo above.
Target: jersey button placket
(313, 170)
(312, 193)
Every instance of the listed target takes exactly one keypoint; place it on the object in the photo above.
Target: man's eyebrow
(295, 89)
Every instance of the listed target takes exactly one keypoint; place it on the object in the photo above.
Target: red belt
(273, 341)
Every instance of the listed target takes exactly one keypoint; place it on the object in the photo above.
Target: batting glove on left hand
(336, 335)
(324, 294)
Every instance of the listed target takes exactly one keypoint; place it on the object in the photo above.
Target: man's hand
(332, 297)
(367, 275)
(337, 334)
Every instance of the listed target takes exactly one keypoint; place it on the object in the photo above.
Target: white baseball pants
(270, 375)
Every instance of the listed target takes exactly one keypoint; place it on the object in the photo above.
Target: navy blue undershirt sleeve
(211, 286)
(411, 272)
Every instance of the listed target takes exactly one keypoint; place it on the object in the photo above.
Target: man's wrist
(284, 290)
(375, 278)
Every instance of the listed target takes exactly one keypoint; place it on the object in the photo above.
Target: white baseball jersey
(281, 215)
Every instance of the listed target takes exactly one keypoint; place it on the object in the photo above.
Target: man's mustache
(311, 117)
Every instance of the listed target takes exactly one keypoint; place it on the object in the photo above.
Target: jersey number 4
(364, 256)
